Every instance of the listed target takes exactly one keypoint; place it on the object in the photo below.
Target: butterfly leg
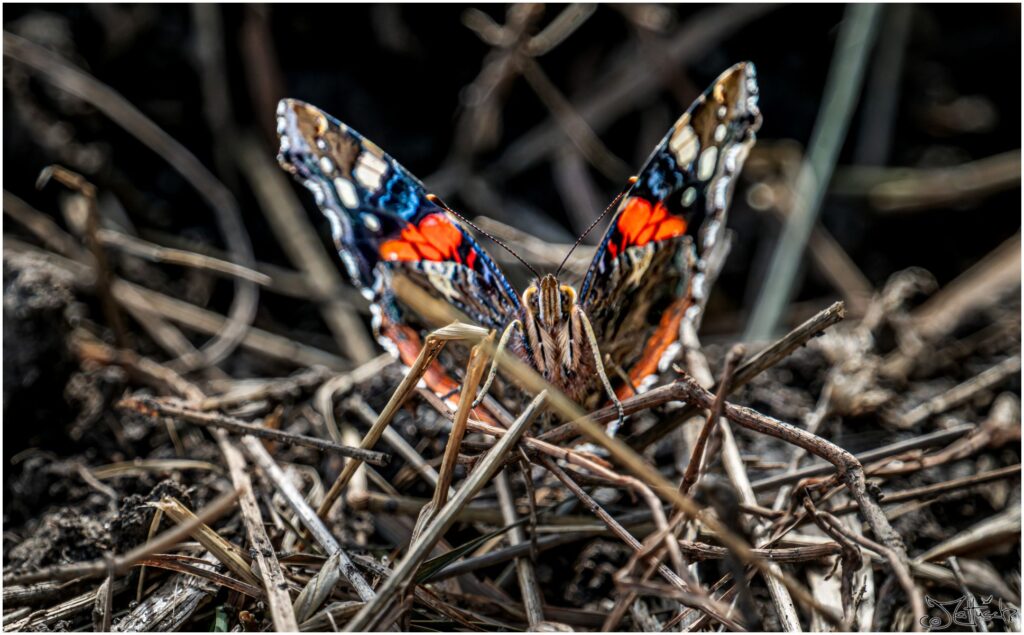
(408, 344)
(592, 340)
(502, 344)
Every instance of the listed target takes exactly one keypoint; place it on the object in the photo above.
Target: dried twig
(269, 389)
(229, 554)
(532, 598)
(692, 598)
(150, 302)
(923, 441)
(170, 606)
(693, 467)
(903, 190)
(274, 584)
(431, 349)
(64, 610)
(474, 374)
(986, 380)
(398, 443)
(158, 253)
(87, 196)
(306, 603)
(929, 491)
(896, 561)
(156, 408)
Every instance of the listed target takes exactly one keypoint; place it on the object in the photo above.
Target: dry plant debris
(846, 475)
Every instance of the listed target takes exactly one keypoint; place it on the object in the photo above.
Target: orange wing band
(436, 240)
(641, 223)
(664, 336)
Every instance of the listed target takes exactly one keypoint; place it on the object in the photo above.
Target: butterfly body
(553, 337)
(646, 278)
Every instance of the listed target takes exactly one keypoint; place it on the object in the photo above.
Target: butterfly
(647, 275)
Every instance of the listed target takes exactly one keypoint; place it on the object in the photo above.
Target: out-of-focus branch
(915, 189)
(75, 81)
(844, 81)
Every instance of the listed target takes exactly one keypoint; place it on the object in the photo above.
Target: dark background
(399, 74)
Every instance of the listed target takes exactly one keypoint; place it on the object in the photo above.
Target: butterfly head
(549, 300)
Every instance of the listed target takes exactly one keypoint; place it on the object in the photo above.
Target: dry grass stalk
(274, 584)
(342, 563)
(225, 551)
(432, 346)
(154, 407)
(393, 588)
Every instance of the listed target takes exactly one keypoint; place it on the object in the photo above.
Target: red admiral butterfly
(643, 281)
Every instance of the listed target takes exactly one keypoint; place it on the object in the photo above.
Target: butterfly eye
(530, 298)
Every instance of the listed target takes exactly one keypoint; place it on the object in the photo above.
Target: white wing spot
(346, 192)
(735, 156)
(689, 196)
(684, 145)
(318, 193)
(326, 165)
(370, 222)
(353, 271)
(647, 383)
(698, 286)
(370, 170)
(722, 112)
(706, 166)
(720, 132)
(337, 232)
(669, 356)
(721, 190)
(440, 275)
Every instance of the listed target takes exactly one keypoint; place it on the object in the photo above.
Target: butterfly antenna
(437, 201)
(597, 220)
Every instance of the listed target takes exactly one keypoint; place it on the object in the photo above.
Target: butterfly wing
(382, 220)
(653, 249)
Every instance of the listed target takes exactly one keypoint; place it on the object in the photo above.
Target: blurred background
(532, 116)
